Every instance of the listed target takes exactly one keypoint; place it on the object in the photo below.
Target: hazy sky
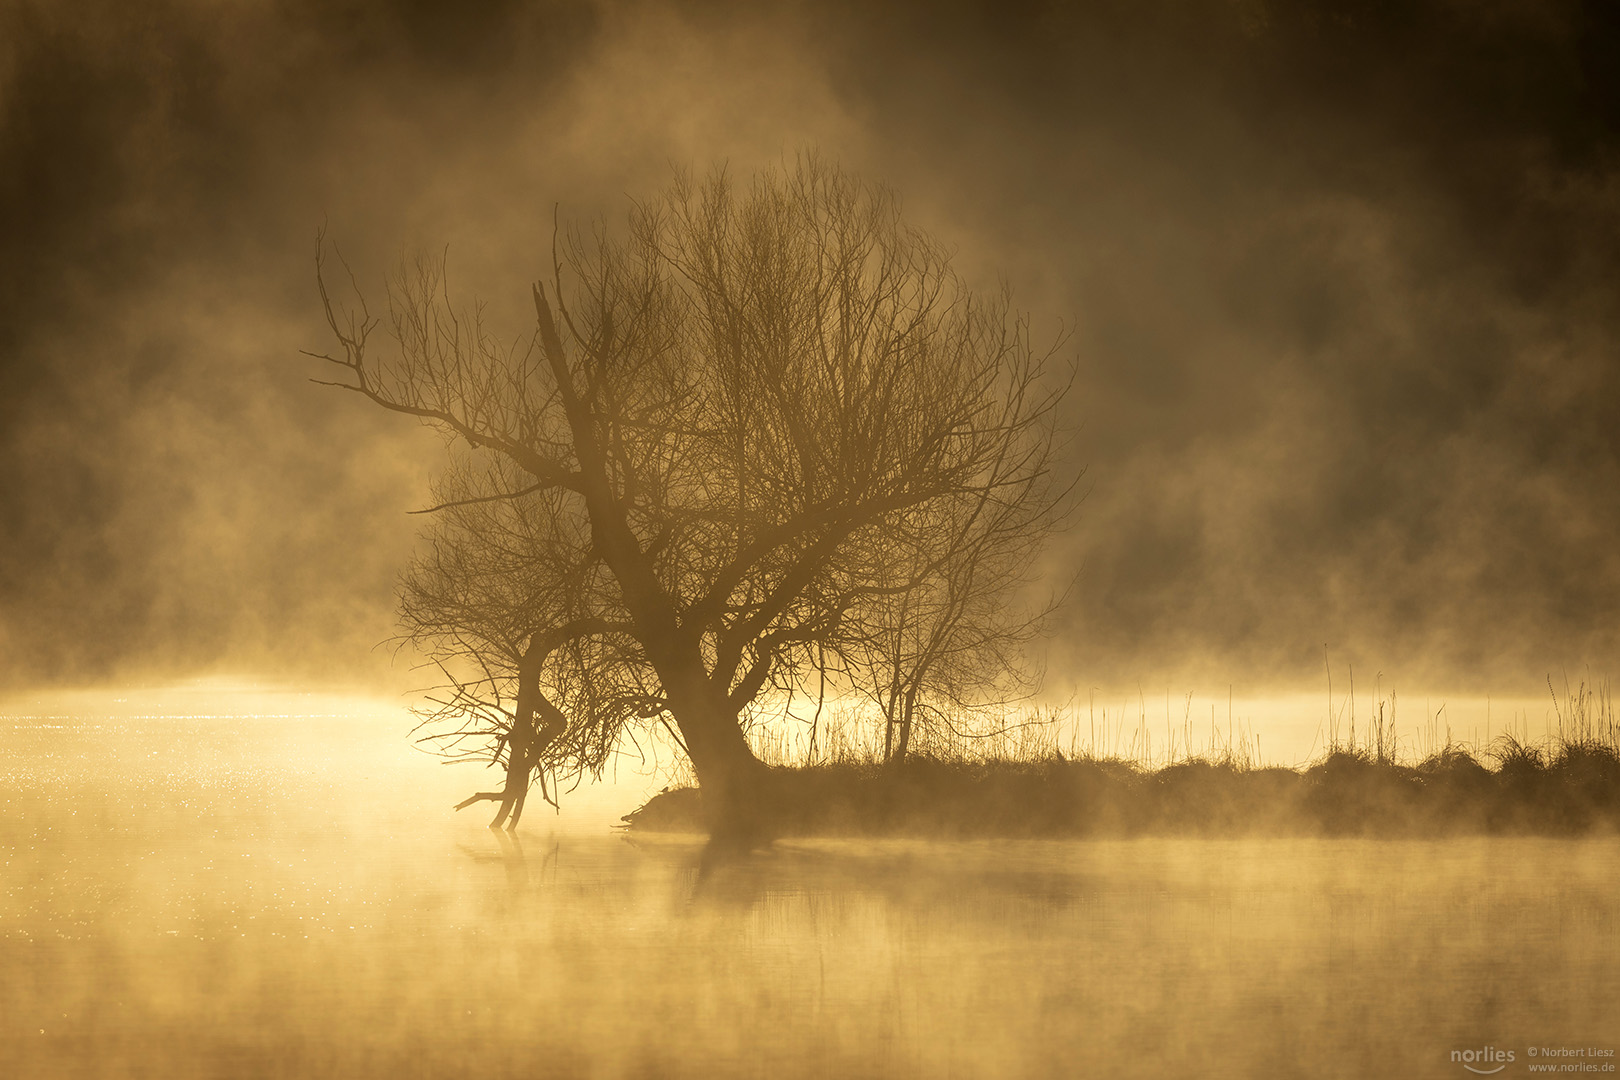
(1343, 281)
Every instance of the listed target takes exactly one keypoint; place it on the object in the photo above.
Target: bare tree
(948, 655)
(739, 436)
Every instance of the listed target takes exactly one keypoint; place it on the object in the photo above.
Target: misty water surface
(290, 896)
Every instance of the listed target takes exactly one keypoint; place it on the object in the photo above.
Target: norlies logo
(1481, 1061)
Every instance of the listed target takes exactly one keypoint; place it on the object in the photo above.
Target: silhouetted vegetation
(764, 444)
(1569, 791)
(1567, 784)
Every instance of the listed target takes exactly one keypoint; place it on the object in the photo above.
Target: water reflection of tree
(521, 869)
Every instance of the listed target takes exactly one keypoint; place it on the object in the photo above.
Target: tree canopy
(764, 434)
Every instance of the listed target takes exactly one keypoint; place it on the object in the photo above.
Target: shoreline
(1570, 790)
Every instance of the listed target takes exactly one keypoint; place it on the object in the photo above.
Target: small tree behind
(762, 437)
(952, 649)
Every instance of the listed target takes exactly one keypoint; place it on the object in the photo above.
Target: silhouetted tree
(740, 441)
(951, 649)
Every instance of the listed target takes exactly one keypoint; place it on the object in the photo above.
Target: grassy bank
(1563, 788)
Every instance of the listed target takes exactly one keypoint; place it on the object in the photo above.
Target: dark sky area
(1341, 277)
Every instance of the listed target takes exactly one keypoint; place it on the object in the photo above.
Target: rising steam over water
(257, 890)
(1338, 279)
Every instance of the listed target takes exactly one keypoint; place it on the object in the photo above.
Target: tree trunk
(908, 709)
(526, 740)
(517, 781)
(728, 772)
(519, 740)
(552, 725)
(736, 797)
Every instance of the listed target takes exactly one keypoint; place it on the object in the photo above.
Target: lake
(283, 892)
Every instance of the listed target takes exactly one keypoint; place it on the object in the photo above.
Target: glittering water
(289, 895)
